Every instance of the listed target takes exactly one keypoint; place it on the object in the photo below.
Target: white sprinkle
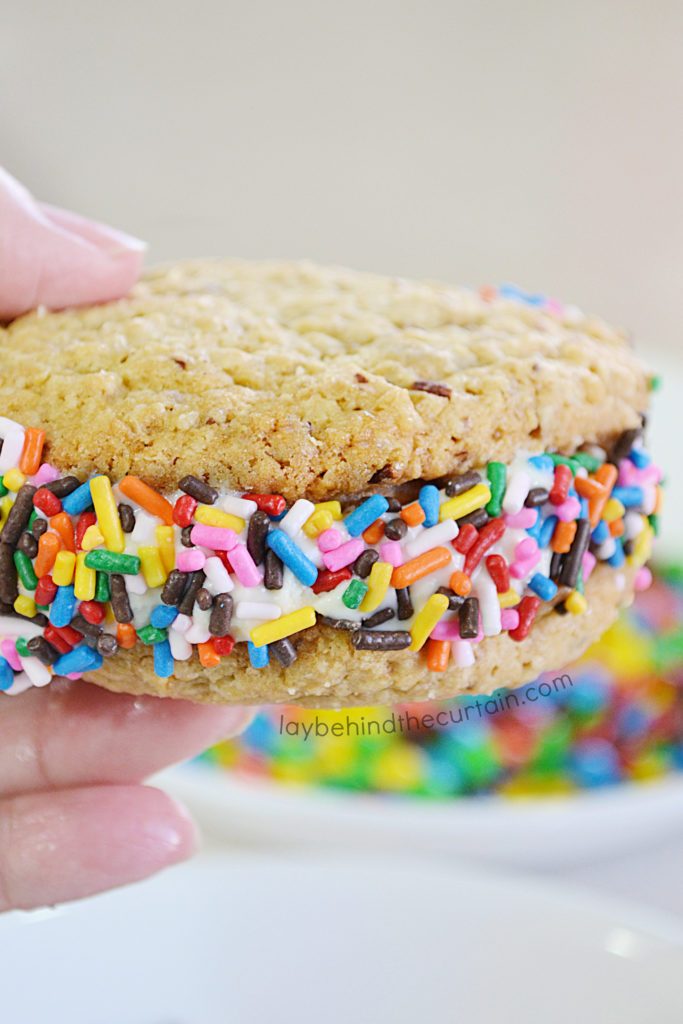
(144, 531)
(12, 444)
(197, 634)
(489, 606)
(606, 549)
(136, 584)
(257, 610)
(292, 522)
(217, 576)
(182, 623)
(633, 524)
(241, 507)
(11, 627)
(38, 673)
(432, 537)
(181, 648)
(516, 492)
(463, 655)
(20, 684)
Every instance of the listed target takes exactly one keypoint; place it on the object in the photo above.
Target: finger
(73, 843)
(54, 259)
(74, 733)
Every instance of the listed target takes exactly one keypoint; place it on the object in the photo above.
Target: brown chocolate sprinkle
(536, 496)
(190, 596)
(127, 517)
(198, 489)
(19, 515)
(221, 615)
(405, 605)
(273, 572)
(284, 650)
(174, 587)
(259, 525)
(120, 605)
(454, 600)
(478, 518)
(349, 624)
(8, 575)
(364, 563)
(186, 537)
(381, 639)
(204, 599)
(469, 618)
(457, 484)
(28, 544)
(39, 527)
(42, 650)
(378, 617)
(107, 645)
(64, 486)
(395, 529)
(432, 388)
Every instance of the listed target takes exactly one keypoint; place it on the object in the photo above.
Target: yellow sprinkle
(63, 569)
(109, 613)
(5, 506)
(152, 567)
(92, 538)
(576, 603)
(210, 516)
(378, 582)
(25, 606)
(333, 507)
(166, 543)
(84, 579)
(318, 521)
(107, 513)
(13, 479)
(509, 598)
(284, 626)
(426, 619)
(613, 510)
(463, 504)
(642, 547)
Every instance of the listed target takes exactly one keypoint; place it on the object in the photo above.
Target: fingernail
(235, 721)
(174, 836)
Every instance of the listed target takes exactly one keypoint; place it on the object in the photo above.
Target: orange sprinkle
(413, 514)
(374, 533)
(147, 498)
(62, 524)
(48, 547)
(32, 452)
(563, 536)
(616, 527)
(607, 476)
(438, 653)
(658, 499)
(416, 568)
(208, 655)
(126, 635)
(460, 583)
(586, 487)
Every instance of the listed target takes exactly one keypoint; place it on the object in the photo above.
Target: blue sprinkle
(583, 514)
(588, 696)
(293, 557)
(594, 763)
(163, 659)
(162, 616)
(258, 656)
(81, 659)
(571, 493)
(513, 291)
(63, 607)
(542, 462)
(600, 533)
(365, 514)
(429, 503)
(544, 587)
(639, 458)
(618, 558)
(547, 530)
(6, 674)
(535, 530)
(629, 496)
(78, 501)
(276, 519)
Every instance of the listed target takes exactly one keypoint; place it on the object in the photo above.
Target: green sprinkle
(43, 608)
(25, 570)
(102, 591)
(589, 462)
(579, 582)
(654, 522)
(354, 593)
(655, 382)
(497, 476)
(152, 635)
(109, 561)
(563, 460)
(32, 519)
(22, 649)
(3, 489)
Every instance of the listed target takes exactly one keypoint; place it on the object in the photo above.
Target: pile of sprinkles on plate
(614, 716)
(89, 567)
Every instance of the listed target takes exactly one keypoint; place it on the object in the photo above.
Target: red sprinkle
(527, 609)
(499, 572)
(183, 510)
(47, 502)
(58, 642)
(70, 635)
(563, 478)
(465, 539)
(223, 645)
(329, 580)
(273, 504)
(46, 591)
(488, 535)
(85, 520)
(92, 611)
(223, 555)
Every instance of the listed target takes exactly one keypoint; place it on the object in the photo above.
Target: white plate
(261, 939)
(496, 830)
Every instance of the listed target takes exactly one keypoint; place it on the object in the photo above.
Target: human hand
(74, 819)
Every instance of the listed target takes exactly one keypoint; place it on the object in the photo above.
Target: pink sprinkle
(522, 520)
(45, 475)
(588, 563)
(509, 618)
(218, 538)
(330, 539)
(554, 306)
(569, 510)
(391, 552)
(526, 549)
(463, 655)
(651, 474)
(245, 567)
(190, 560)
(344, 554)
(9, 651)
(643, 578)
(446, 631)
(520, 569)
(627, 473)
(74, 675)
